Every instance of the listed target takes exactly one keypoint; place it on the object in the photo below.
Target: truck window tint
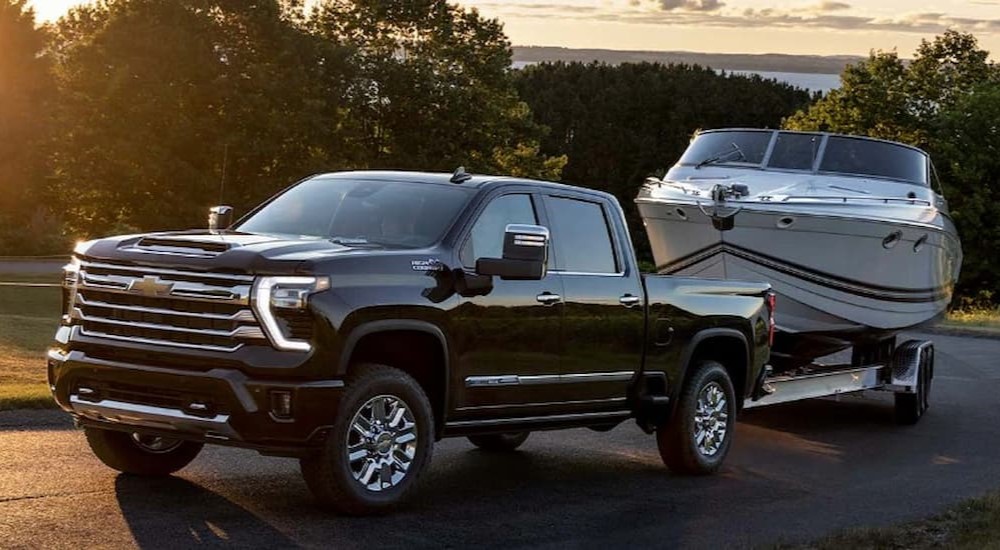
(580, 237)
(486, 238)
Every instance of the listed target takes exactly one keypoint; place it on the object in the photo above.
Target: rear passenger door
(603, 318)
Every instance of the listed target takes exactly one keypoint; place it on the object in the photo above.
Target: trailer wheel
(910, 407)
(697, 438)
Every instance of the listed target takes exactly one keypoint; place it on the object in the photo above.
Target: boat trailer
(907, 374)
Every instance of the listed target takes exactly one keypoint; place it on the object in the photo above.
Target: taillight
(772, 301)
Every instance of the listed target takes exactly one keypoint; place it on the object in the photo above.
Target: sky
(825, 27)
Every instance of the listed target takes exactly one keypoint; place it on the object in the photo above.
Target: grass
(985, 318)
(28, 319)
(972, 525)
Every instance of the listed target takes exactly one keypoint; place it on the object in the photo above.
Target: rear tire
(697, 438)
(142, 455)
(378, 446)
(911, 407)
(499, 443)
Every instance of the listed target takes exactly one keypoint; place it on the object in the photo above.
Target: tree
(25, 88)
(875, 99)
(159, 98)
(432, 88)
(620, 124)
(967, 152)
(945, 101)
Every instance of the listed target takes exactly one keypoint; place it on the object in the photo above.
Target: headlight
(71, 277)
(273, 296)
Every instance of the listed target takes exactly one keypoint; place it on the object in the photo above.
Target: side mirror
(220, 217)
(525, 255)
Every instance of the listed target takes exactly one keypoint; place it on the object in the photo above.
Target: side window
(486, 238)
(580, 236)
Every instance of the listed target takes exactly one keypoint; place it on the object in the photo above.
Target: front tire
(379, 444)
(697, 438)
(138, 454)
(499, 443)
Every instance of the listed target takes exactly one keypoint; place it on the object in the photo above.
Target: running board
(796, 388)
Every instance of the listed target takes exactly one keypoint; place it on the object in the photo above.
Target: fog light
(281, 404)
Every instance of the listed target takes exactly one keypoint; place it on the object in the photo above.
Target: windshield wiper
(724, 156)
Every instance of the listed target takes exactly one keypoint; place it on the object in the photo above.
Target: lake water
(814, 82)
(810, 81)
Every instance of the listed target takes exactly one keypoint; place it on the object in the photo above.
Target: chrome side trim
(545, 404)
(615, 415)
(147, 416)
(159, 271)
(479, 381)
(544, 379)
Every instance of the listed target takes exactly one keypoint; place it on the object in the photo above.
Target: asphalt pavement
(32, 266)
(796, 472)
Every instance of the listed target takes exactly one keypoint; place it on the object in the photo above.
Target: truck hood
(228, 251)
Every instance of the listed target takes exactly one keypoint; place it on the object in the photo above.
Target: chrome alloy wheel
(382, 442)
(155, 444)
(711, 419)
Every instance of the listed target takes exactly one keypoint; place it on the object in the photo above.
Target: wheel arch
(419, 348)
(729, 347)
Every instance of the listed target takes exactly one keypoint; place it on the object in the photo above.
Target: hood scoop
(182, 246)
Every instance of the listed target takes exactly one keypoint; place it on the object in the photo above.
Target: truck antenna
(460, 176)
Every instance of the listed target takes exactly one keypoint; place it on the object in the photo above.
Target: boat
(853, 233)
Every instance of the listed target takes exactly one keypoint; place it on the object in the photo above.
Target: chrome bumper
(154, 418)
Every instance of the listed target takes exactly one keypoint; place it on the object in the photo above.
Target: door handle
(548, 298)
(628, 300)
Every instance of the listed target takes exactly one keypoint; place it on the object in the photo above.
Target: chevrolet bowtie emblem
(150, 286)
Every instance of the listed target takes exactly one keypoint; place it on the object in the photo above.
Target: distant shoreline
(806, 64)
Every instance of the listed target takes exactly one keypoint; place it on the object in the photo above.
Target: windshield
(865, 157)
(361, 212)
(727, 147)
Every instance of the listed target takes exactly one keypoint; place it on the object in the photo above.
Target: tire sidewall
(401, 387)
(708, 373)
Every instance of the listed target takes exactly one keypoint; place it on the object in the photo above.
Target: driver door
(513, 330)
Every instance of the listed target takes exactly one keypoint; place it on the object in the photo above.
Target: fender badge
(432, 264)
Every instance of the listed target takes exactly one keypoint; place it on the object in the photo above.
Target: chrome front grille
(185, 309)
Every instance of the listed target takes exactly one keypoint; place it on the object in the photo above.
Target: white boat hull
(840, 275)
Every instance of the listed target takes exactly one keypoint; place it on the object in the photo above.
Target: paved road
(796, 472)
(47, 266)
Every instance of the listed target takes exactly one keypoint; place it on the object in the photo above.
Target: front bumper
(218, 406)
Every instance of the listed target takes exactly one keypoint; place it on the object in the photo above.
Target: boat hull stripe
(829, 280)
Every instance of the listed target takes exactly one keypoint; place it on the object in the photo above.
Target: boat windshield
(739, 147)
(361, 212)
(801, 151)
(865, 157)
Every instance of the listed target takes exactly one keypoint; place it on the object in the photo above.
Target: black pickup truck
(357, 317)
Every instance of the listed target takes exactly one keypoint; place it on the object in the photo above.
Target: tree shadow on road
(174, 513)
